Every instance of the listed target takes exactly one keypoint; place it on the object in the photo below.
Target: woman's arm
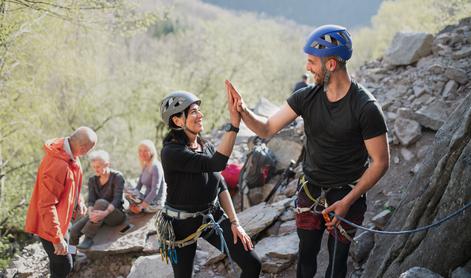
(237, 230)
(162, 186)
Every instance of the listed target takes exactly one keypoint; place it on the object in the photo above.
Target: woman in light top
(150, 191)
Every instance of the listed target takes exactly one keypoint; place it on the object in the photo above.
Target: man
(105, 201)
(56, 196)
(301, 84)
(346, 147)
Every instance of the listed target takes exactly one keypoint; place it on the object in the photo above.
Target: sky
(349, 13)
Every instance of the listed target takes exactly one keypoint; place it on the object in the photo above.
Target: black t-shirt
(335, 131)
(193, 178)
(112, 190)
(299, 85)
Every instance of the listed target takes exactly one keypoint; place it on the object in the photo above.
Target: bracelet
(235, 222)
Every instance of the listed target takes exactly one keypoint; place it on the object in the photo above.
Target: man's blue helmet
(329, 40)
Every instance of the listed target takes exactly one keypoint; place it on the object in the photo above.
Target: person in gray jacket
(105, 201)
(151, 189)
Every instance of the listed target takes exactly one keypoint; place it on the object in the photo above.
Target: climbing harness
(166, 234)
(321, 201)
(319, 204)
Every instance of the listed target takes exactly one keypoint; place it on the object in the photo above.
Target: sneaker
(152, 209)
(86, 243)
(133, 198)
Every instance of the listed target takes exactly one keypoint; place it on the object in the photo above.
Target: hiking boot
(86, 243)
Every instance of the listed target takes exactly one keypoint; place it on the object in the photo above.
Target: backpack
(259, 166)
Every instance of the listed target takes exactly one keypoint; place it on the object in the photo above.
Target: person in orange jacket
(56, 195)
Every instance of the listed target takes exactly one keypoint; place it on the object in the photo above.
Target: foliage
(407, 16)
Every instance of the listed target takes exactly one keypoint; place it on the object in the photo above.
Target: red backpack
(231, 174)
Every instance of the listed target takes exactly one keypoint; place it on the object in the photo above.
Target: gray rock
(285, 148)
(255, 219)
(380, 219)
(212, 254)
(265, 108)
(150, 266)
(362, 246)
(434, 115)
(419, 90)
(450, 89)
(288, 215)
(407, 131)
(273, 229)
(419, 272)
(290, 189)
(406, 154)
(407, 48)
(462, 53)
(460, 272)
(277, 253)
(32, 262)
(457, 74)
(436, 69)
(287, 227)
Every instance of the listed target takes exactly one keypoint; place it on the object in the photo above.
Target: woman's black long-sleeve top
(193, 178)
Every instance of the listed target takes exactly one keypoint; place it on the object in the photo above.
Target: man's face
(84, 149)
(314, 66)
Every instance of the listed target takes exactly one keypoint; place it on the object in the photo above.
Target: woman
(105, 201)
(152, 178)
(196, 190)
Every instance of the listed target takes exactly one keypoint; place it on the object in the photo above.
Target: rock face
(440, 187)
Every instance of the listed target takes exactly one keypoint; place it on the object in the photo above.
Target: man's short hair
(99, 155)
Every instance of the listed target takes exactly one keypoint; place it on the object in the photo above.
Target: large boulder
(408, 48)
(440, 187)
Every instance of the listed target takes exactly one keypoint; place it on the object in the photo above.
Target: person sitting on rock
(151, 178)
(105, 201)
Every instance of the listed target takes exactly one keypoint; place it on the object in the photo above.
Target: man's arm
(378, 150)
(266, 128)
(263, 128)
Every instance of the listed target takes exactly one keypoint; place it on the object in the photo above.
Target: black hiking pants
(59, 266)
(311, 227)
(248, 261)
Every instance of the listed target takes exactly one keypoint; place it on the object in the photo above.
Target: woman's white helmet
(176, 102)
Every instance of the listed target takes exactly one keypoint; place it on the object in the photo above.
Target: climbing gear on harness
(318, 205)
(166, 234)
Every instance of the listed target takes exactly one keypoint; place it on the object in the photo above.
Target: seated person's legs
(76, 230)
(90, 229)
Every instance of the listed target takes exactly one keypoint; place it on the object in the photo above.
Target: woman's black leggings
(248, 261)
